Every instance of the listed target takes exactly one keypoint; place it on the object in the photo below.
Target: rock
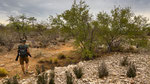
(117, 73)
(2, 65)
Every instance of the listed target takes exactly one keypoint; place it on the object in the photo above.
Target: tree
(77, 23)
(138, 31)
(20, 25)
(32, 21)
(121, 27)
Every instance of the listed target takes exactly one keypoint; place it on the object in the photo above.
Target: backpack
(22, 50)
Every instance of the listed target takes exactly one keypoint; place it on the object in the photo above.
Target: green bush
(131, 73)
(3, 72)
(102, 70)
(55, 60)
(78, 72)
(68, 61)
(87, 55)
(52, 75)
(69, 78)
(117, 48)
(38, 71)
(61, 56)
(15, 81)
(42, 78)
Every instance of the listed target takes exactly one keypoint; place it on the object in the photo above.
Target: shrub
(9, 46)
(8, 81)
(74, 61)
(8, 39)
(41, 61)
(78, 72)
(87, 55)
(43, 68)
(52, 75)
(50, 61)
(68, 61)
(42, 79)
(44, 41)
(69, 78)
(61, 56)
(17, 76)
(15, 81)
(38, 55)
(131, 49)
(102, 70)
(124, 61)
(131, 73)
(38, 71)
(3, 72)
(11, 80)
(55, 60)
(117, 48)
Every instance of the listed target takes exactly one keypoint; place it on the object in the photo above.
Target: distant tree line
(111, 31)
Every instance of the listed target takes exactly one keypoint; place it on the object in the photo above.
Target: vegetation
(50, 60)
(102, 70)
(69, 79)
(112, 31)
(42, 78)
(52, 75)
(39, 69)
(124, 61)
(42, 68)
(131, 73)
(39, 55)
(61, 56)
(121, 27)
(11, 80)
(3, 72)
(55, 60)
(78, 72)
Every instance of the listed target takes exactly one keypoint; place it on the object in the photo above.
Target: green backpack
(22, 50)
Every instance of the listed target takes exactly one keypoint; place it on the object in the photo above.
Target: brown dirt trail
(7, 60)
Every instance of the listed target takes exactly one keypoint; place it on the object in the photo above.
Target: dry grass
(61, 56)
(3, 72)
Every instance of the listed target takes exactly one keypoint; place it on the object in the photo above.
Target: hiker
(23, 53)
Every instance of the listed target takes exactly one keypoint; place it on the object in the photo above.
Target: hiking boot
(26, 71)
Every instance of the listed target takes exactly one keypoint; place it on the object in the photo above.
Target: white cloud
(41, 9)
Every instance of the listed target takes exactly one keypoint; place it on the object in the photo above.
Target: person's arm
(17, 56)
(28, 52)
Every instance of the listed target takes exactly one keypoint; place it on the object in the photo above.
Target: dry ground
(7, 60)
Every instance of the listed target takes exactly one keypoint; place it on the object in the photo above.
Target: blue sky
(41, 9)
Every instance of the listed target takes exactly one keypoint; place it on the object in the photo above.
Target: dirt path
(8, 62)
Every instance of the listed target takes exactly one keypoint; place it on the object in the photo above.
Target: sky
(42, 9)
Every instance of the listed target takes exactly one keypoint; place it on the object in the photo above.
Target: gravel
(117, 73)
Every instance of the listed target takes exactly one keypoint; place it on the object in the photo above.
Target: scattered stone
(90, 69)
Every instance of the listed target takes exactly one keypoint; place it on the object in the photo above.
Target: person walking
(23, 53)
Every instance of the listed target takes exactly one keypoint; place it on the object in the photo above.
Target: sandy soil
(7, 60)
